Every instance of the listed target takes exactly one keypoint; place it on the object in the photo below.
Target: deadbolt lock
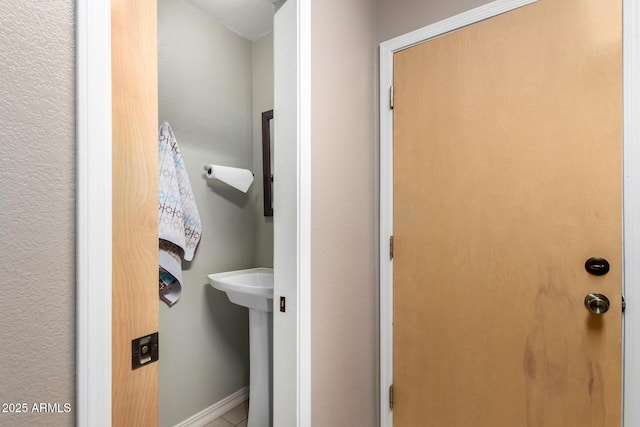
(597, 266)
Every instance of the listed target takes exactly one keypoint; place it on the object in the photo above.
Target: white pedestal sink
(253, 288)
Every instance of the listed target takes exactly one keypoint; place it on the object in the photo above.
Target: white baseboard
(216, 410)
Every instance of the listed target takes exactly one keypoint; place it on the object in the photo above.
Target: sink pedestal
(260, 375)
(253, 288)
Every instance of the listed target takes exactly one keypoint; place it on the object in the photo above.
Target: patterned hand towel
(179, 225)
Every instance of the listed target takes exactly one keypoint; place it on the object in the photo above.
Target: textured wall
(206, 93)
(344, 214)
(37, 212)
(397, 17)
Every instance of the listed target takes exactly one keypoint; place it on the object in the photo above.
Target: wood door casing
(135, 207)
(507, 177)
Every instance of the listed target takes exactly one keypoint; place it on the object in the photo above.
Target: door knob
(596, 303)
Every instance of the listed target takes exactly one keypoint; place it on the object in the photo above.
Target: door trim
(303, 250)
(93, 213)
(292, 213)
(631, 207)
(631, 224)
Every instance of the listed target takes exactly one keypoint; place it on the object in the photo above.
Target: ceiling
(251, 19)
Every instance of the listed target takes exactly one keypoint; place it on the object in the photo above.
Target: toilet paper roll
(235, 177)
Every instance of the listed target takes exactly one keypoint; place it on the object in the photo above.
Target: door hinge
(391, 247)
(391, 97)
(624, 304)
(391, 396)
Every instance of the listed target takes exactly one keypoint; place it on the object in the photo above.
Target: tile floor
(236, 417)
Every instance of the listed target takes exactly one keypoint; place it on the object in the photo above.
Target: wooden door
(135, 207)
(507, 178)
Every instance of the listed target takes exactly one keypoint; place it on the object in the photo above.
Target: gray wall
(208, 95)
(262, 97)
(37, 212)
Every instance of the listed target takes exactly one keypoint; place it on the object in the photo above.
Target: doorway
(95, 307)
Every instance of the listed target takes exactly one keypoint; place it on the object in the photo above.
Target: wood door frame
(631, 191)
(93, 215)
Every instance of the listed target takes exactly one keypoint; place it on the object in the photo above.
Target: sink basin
(251, 288)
